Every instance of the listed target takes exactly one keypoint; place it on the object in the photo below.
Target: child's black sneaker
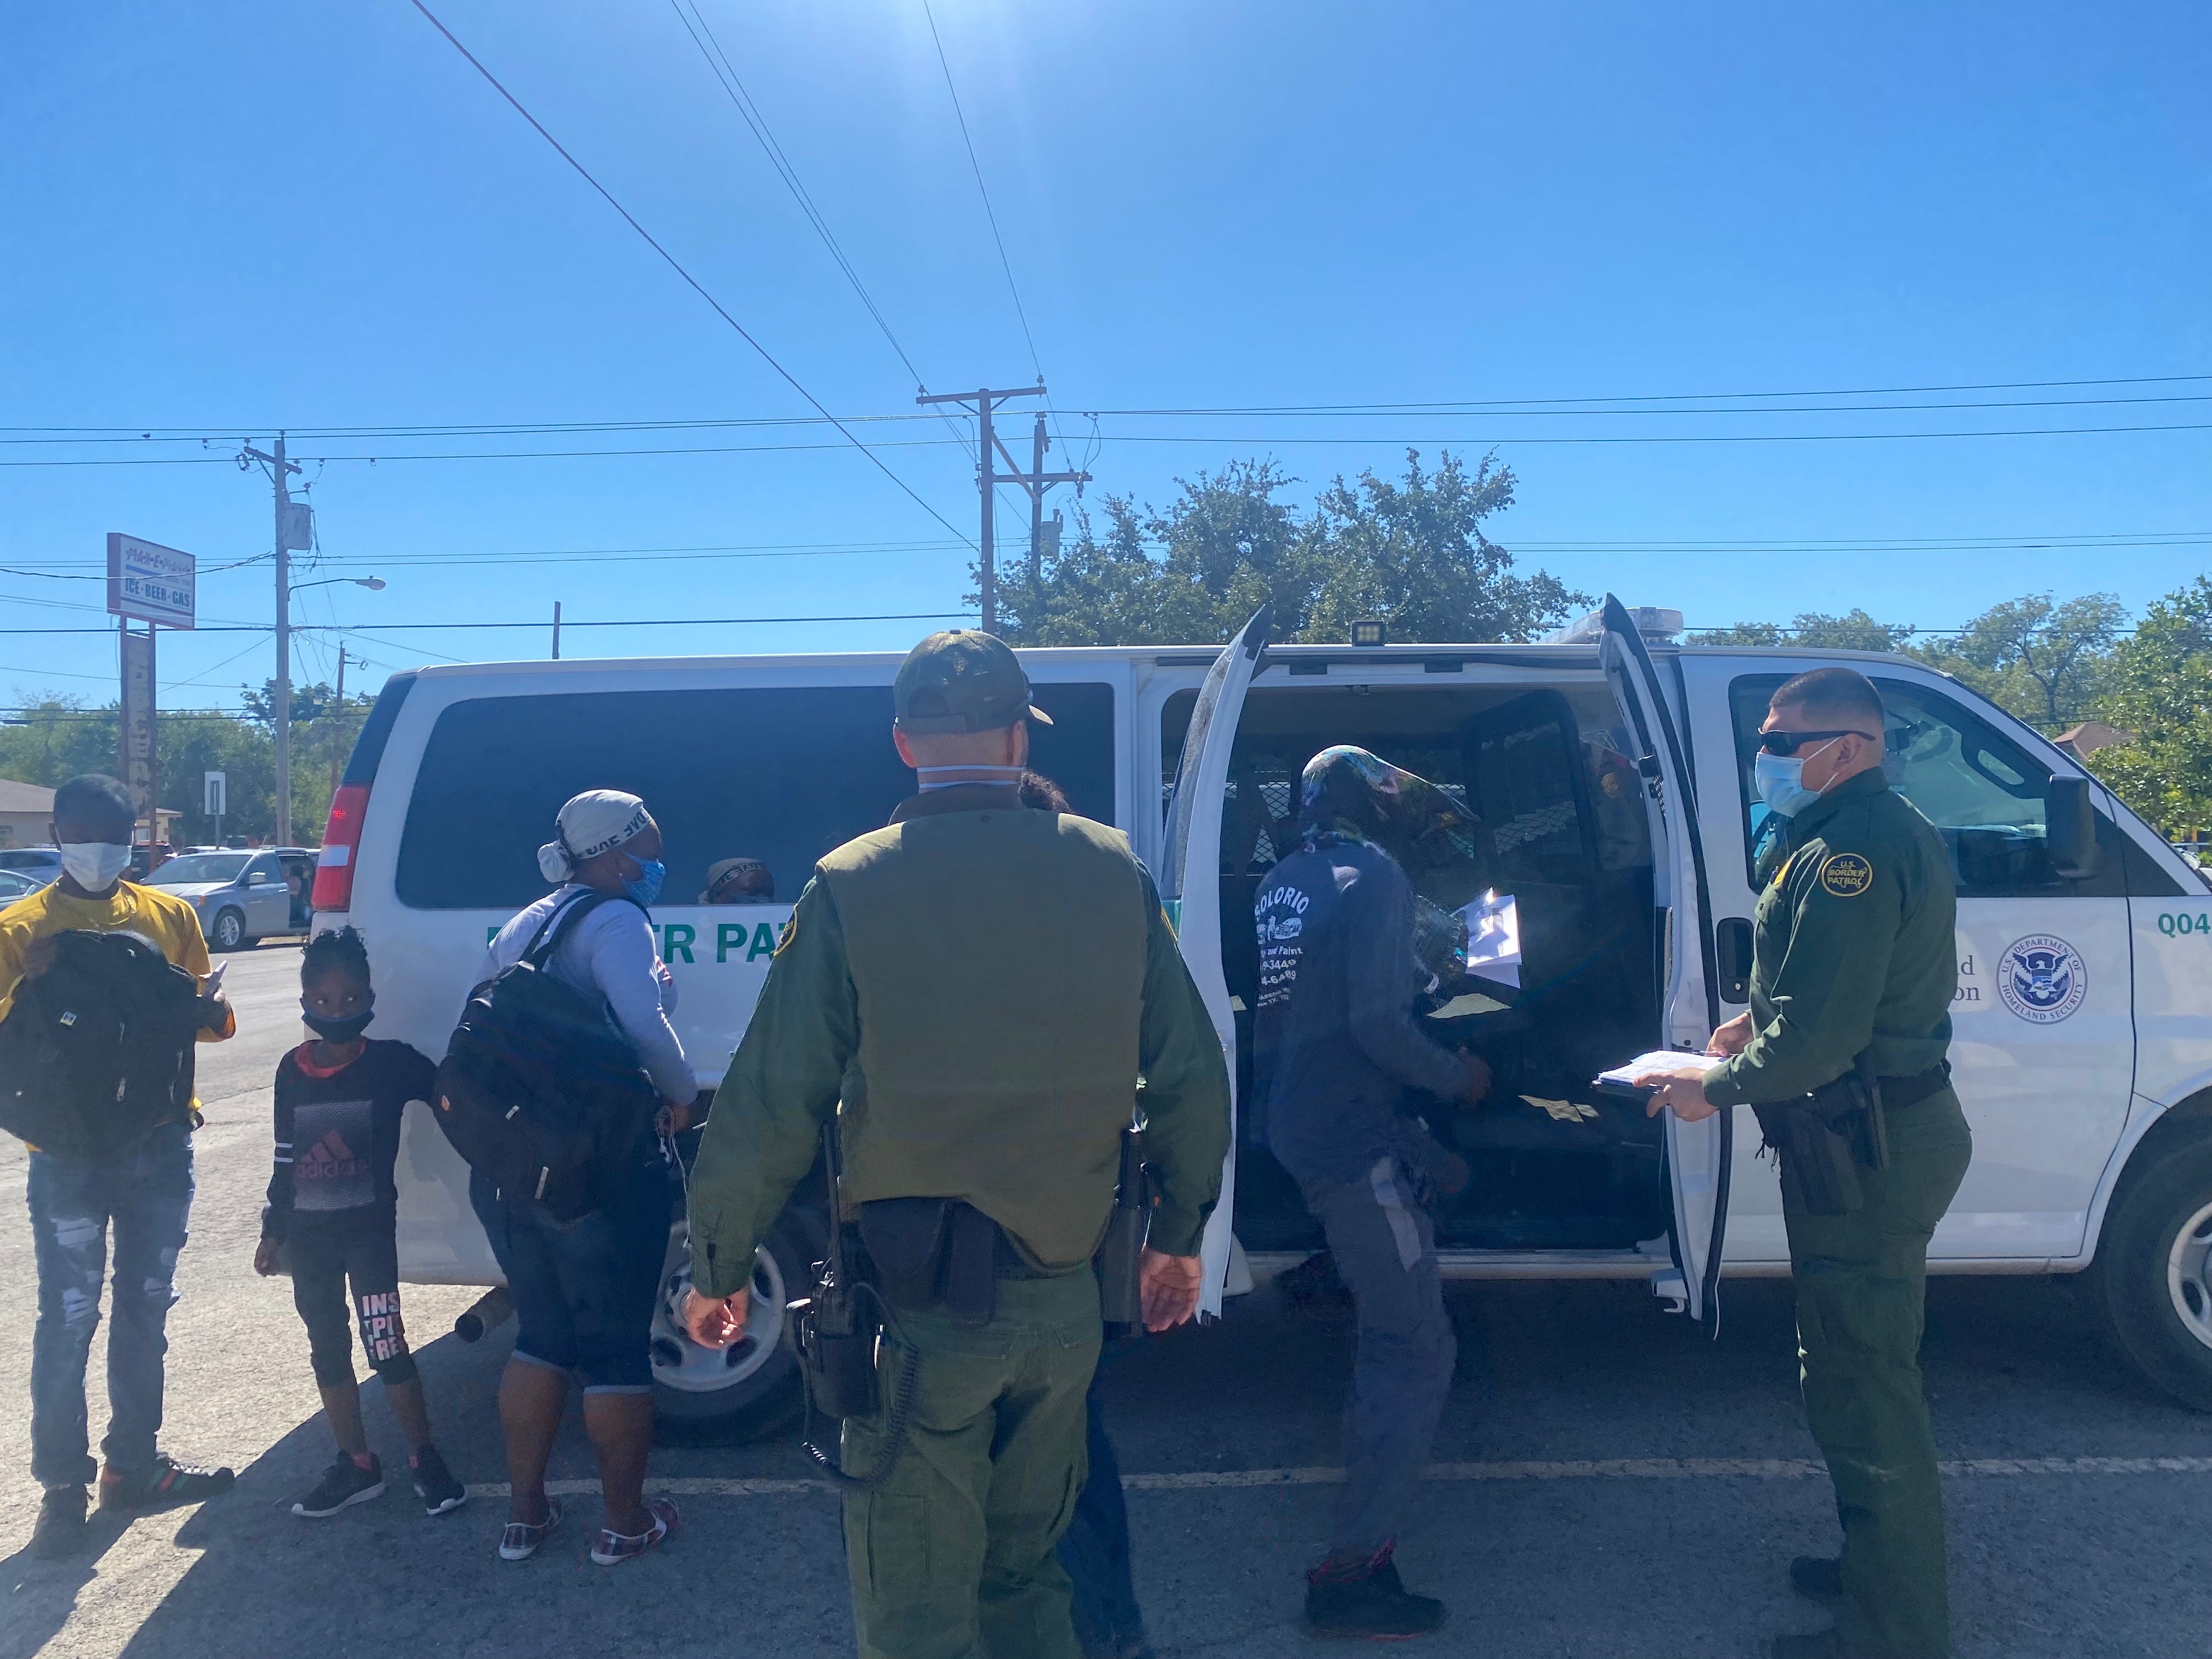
(344, 1484)
(165, 1484)
(434, 1483)
(62, 1529)
(1367, 1601)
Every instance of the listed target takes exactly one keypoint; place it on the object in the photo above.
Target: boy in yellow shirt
(145, 1194)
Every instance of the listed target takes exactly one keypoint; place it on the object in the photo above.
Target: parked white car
(1611, 768)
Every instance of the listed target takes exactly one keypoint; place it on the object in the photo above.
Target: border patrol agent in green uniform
(974, 992)
(1854, 955)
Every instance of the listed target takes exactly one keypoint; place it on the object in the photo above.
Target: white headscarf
(587, 826)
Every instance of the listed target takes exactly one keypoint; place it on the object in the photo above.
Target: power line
(643, 622)
(976, 166)
(125, 434)
(676, 266)
(1459, 440)
(726, 72)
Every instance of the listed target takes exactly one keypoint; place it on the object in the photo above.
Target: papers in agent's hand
(1641, 1070)
(1468, 1002)
(1493, 938)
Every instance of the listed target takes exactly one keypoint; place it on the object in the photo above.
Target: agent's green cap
(963, 680)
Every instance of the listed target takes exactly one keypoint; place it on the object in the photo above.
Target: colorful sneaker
(344, 1484)
(167, 1485)
(62, 1529)
(617, 1547)
(1367, 1601)
(521, 1539)
(434, 1483)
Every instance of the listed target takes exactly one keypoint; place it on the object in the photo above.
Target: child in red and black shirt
(332, 1210)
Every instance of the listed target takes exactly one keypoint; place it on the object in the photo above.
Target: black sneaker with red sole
(167, 1485)
(1368, 1603)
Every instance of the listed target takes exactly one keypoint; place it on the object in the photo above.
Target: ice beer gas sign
(149, 581)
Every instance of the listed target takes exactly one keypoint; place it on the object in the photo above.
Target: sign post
(216, 784)
(158, 585)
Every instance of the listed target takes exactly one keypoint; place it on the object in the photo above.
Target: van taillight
(341, 836)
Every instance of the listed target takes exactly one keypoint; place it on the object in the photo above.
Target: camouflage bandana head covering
(1351, 795)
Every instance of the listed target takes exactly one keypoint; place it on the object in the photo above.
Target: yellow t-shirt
(163, 920)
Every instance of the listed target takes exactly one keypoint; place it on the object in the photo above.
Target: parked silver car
(241, 895)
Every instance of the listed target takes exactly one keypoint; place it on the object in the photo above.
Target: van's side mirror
(2070, 829)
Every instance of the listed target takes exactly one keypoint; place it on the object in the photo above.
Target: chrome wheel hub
(2189, 1275)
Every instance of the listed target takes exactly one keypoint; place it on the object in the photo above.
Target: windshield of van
(199, 866)
(775, 776)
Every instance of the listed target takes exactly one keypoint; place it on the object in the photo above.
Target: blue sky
(236, 217)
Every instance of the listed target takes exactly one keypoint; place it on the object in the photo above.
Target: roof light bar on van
(1658, 625)
(341, 836)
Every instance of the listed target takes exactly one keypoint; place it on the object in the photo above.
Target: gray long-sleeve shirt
(608, 955)
(1335, 1044)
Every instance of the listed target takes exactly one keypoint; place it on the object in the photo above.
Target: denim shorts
(583, 1289)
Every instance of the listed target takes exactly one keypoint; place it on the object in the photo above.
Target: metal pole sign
(137, 736)
(151, 582)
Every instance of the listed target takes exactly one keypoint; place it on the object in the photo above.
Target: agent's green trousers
(1862, 1283)
(953, 1556)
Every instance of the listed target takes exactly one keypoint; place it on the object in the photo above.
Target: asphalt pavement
(1609, 1482)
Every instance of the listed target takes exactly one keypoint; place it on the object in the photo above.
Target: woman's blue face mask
(645, 885)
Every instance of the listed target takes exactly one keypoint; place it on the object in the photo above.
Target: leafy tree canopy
(1411, 552)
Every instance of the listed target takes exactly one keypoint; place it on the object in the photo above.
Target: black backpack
(97, 1051)
(538, 1091)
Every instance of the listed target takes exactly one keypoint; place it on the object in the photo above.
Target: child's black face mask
(333, 1029)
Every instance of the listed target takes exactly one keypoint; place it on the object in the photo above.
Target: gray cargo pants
(1386, 1252)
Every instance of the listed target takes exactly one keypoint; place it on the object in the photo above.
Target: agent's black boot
(1817, 1578)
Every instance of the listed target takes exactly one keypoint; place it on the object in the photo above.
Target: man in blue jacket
(1336, 1049)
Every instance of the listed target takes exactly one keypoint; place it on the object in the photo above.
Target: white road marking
(1608, 1469)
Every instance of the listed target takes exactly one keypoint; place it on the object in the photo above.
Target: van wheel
(2155, 1275)
(751, 1390)
(229, 932)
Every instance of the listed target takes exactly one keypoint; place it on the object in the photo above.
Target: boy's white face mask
(94, 864)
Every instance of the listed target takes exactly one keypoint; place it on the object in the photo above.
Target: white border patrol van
(1609, 771)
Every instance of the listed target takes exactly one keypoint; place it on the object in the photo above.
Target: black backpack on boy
(97, 1051)
(538, 1091)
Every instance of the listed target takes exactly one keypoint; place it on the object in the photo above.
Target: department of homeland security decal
(1846, 875)
(2042, 978)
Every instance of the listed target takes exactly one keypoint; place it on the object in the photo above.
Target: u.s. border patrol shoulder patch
(1846, 875)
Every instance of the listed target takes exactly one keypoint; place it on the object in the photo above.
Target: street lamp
(281, 705)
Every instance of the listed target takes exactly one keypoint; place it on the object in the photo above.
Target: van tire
(2150, 1281)
(766, 1398)
(229, 932)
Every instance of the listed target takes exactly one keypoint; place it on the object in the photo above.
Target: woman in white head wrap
(584, 1292)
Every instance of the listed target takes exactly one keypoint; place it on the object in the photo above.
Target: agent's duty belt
(1897, 1092)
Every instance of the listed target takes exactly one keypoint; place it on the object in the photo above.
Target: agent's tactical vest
(1000, 960)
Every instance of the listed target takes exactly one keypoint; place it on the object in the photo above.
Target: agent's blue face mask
(645, 887)
(1781, 781)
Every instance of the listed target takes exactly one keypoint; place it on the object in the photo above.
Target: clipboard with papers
(1632, 1078)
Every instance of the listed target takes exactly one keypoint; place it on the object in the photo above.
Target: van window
(778, 773)
(1983, 791)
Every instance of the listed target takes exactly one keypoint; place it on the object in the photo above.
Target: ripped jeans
(146, 1196)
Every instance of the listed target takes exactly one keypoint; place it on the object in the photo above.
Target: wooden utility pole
(1036, 481)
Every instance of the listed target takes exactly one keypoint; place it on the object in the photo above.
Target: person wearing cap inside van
(1852, 955)
(737, 881)
(982, 984)
(583, 1289)
(1335, 1051)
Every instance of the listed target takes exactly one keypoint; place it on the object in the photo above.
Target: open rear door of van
(1697, 1153)
(1190, 883)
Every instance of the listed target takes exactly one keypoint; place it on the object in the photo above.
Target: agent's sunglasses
(1789, 742)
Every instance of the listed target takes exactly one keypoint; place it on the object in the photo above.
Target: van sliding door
(1190, 884)
(1697, 1153)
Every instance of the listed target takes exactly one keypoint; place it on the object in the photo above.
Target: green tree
(2041, 660)
(1412, 553)
(1855, 630)
(2158, 686)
